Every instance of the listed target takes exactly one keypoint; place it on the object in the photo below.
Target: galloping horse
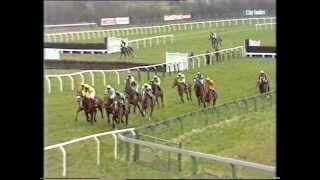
(89, 107)
(134, 98)
(126, 51)
(263, 85)
(200, 92)
(107, 106)
(118, 113)
(157, 92)
(148, 102)
(181, 88)
(215, 42)
(211, 96)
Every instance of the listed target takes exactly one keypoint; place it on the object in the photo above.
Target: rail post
(136, 148)
(234, 171)
(194, 165)
(49, 84)
(60, 82)
(92, 77)
(179, 158)
(98, 150)
(64, 162)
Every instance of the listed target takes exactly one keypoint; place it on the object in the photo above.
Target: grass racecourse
(248, 138)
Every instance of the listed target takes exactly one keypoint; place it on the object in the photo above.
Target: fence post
(137, 148)
(49, 84)
(98, 150)
(181, 125)
(139, 74)
(194, 165)
(179, 158)
(234, 171)
(148, 74)
(255, 104)
(60, 82)
(164, 70)
(127, 151)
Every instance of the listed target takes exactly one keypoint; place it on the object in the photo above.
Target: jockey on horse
(147, 90)
(210, 85)
(89, 92)
(110, 93)
(181, 79)
(130, 85)
(156, 81)
(198, 78)
(121, 99)
(263, 78)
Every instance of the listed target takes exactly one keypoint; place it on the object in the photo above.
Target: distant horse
(215, 42)
(126, 52)
(89, 107)
(211, 96)
(157, 92)
(148, 102)
(200, 92)
(181, 88)
(263, 85)
(118, 113)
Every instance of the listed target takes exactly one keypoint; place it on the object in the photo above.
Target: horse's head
(175, 83)
(115, 107)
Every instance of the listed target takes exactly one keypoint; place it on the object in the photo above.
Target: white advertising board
(178, 58)
(52, 54)
(122, 20)
(115, 21)
(254, 43)
(176, 17)
(108, 21)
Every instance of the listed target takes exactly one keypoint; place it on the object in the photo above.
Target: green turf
(235, 79)
(185, 41)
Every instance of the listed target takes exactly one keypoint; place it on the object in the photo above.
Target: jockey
(82, 88)
(130, 78)
(110, 93)
(156, 81)
(199, 77)
(210, 84)
(123, 43)
(120, 98)
(263, 77)
(181, 78)
(90, 93)
(147, 90)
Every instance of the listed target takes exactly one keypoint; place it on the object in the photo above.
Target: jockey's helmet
(208, 79)
(155, 76)
(179, 74)
(108, 86)
(198, 73)
(261, 72)
(129, 75)
(145, 84)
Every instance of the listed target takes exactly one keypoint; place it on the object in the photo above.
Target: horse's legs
(140, 109)
(101, 112)
(181, 97)
(161, 98)
(77, 112)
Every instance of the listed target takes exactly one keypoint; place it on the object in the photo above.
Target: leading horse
(89, 107)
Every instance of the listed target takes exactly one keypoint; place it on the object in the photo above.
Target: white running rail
(265, 25)
(95, 137)
(157, 38)
(199, 59)
(85, 35)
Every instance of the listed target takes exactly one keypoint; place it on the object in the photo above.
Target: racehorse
(134, 98)
(263, 86)
(211, 96)
(148, 102)
(126, 51)
(200, 92)
(107, 106)
(118, 113)
(89, 107)
(215, 42)
(157, 92)
(181, 88)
